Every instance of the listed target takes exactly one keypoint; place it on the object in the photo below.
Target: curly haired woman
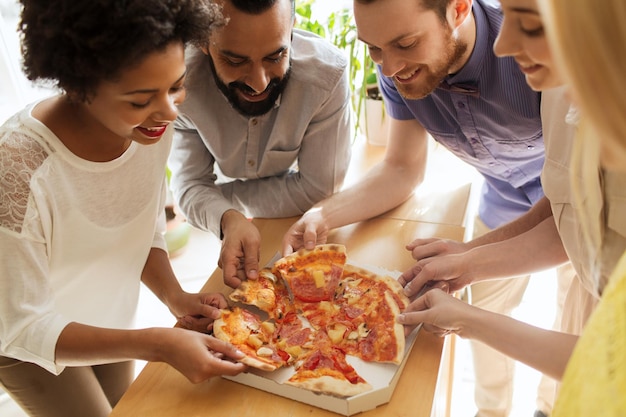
(82, 206)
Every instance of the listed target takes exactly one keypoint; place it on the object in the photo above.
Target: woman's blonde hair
(587, 40)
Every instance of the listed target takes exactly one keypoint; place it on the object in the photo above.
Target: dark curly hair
(76, 44)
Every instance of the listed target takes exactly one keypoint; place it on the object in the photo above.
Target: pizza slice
(312, 275)
(252, 336)
(326, 371)
(267, 292)
(357, 282)
(370, 303)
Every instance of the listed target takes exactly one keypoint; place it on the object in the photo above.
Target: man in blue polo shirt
(441, 77)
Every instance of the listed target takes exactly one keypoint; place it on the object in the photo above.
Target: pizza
(319, 310)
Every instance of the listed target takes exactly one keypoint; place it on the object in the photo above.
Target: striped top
(496, 128)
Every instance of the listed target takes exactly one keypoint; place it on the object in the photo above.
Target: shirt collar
(470, 73)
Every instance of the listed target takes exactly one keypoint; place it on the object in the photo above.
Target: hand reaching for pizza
(439, 312)
(310, 230)
(198, 311)
(240, 253)
(195, 355)
(454, 269)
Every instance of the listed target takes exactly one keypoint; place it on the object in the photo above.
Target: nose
(168, 107)
(258, 79)
(390, 65)
(506, 43)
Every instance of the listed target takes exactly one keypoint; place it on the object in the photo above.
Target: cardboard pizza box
(383, 377)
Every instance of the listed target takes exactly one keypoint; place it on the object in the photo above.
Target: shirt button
(474, 140)
(250, 162)
(254, 122)
(461, 105)
(531, 147)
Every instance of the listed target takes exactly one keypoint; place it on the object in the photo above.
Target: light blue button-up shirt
(497, 130)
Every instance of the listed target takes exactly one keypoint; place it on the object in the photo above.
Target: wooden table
(445, 195)
(161, 391)
(438, 208)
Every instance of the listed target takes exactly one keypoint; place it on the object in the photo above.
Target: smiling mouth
(254, 97)
(407, 78)
(152, 132)
(528, 68)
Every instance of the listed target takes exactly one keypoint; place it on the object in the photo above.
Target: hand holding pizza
(195, 355)
(198, 311)
(240, 253)
(310, 230)
(454, 270)
(440, 313)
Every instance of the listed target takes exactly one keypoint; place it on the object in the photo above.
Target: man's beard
(432, 77)
(247, 108)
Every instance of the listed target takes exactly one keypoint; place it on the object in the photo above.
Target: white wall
(15, 89)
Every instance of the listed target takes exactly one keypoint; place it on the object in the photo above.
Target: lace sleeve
(20, 157)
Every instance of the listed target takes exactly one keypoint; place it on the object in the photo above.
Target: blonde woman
(588, 39)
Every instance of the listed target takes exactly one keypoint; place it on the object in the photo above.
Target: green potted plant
(340, 29)
(178, 230)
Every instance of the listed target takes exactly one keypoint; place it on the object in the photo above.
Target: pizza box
(383, 377)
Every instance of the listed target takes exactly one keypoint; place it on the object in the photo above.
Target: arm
(194, 311)
(384, 187)
(190, 352)
(195, 355)
(426, 248)
(536, 249)
(544, 350)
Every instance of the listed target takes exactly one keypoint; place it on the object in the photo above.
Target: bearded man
(266, 129)
(439, 77)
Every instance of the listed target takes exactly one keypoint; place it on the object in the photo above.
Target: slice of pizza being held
(252, 336)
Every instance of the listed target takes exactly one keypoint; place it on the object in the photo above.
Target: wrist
(229, 217)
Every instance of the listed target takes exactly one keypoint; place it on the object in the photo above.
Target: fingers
(251, 260)
(414, 280)
(287, 248)
(196, 323)
(230, 275)
(309, 237)
(225, 348)
(419, 242)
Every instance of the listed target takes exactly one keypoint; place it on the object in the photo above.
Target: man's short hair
(259, 6)
(438, 6)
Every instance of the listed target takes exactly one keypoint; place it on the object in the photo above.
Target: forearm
(538, 213)
(159, 277)
(82, 345)
(545, 350)
(383, 188)
(537, 249)
(387, 184)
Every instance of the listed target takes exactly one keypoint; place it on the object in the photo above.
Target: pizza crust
(398, 330)
(329, 385)
(256, 363)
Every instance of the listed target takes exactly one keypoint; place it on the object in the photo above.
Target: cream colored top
(559, 141)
